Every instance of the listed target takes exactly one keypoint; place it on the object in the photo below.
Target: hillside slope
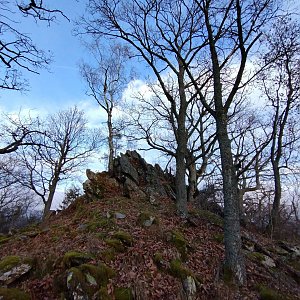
(115, 247)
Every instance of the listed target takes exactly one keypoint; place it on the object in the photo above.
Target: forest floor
(144, 260)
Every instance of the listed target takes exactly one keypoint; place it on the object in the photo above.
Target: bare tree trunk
(181, 190)
(52, 188)
(192, 178)
(181, 137)
(240, 195)
(234, 261)
(110, 141)
(275, 215)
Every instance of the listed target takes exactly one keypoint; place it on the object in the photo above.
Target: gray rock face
(92, 187)
(142, 179)
(189, 286)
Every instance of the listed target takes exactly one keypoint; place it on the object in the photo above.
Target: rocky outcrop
(142, 179)
(132, 176)
(99, 185)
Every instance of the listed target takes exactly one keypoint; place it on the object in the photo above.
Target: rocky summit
(123, 240)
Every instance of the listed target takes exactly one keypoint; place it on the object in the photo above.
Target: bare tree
(17, 50)
(250, 137)
(64, 148)
(201, 43)
(17, 131)
(15, 201)
(161, 34)
(106, 82)
(281, 86)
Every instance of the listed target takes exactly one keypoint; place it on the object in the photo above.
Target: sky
(61, 86)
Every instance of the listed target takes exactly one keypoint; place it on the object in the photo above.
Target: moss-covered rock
(103, 294)
(116, 244)
(13, 294)
(99, 223)
(74, 258)
(108, 254)
(178, 270)
(180, 243)
(121, 293)
(124, 237)
(265, 260)
(87, 280)
(158, 260)
(145, 219)
(13, 267)
(9, 262)
(257, 256)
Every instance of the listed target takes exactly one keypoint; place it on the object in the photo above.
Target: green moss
(13, 294)
(100, 235)
(180, 243)
(4, 239)
(123, 293)
(116, 244)
(124, 237)
(90, 278)
(256, 256)
(178, 270)
(145, 216)
(55, 239)
(9, 262)
(158, 259)
(102, 273)
(96, 224)
(268, 294)
(108, 255)
(219, 237)
(74, 258)
(103, 294)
